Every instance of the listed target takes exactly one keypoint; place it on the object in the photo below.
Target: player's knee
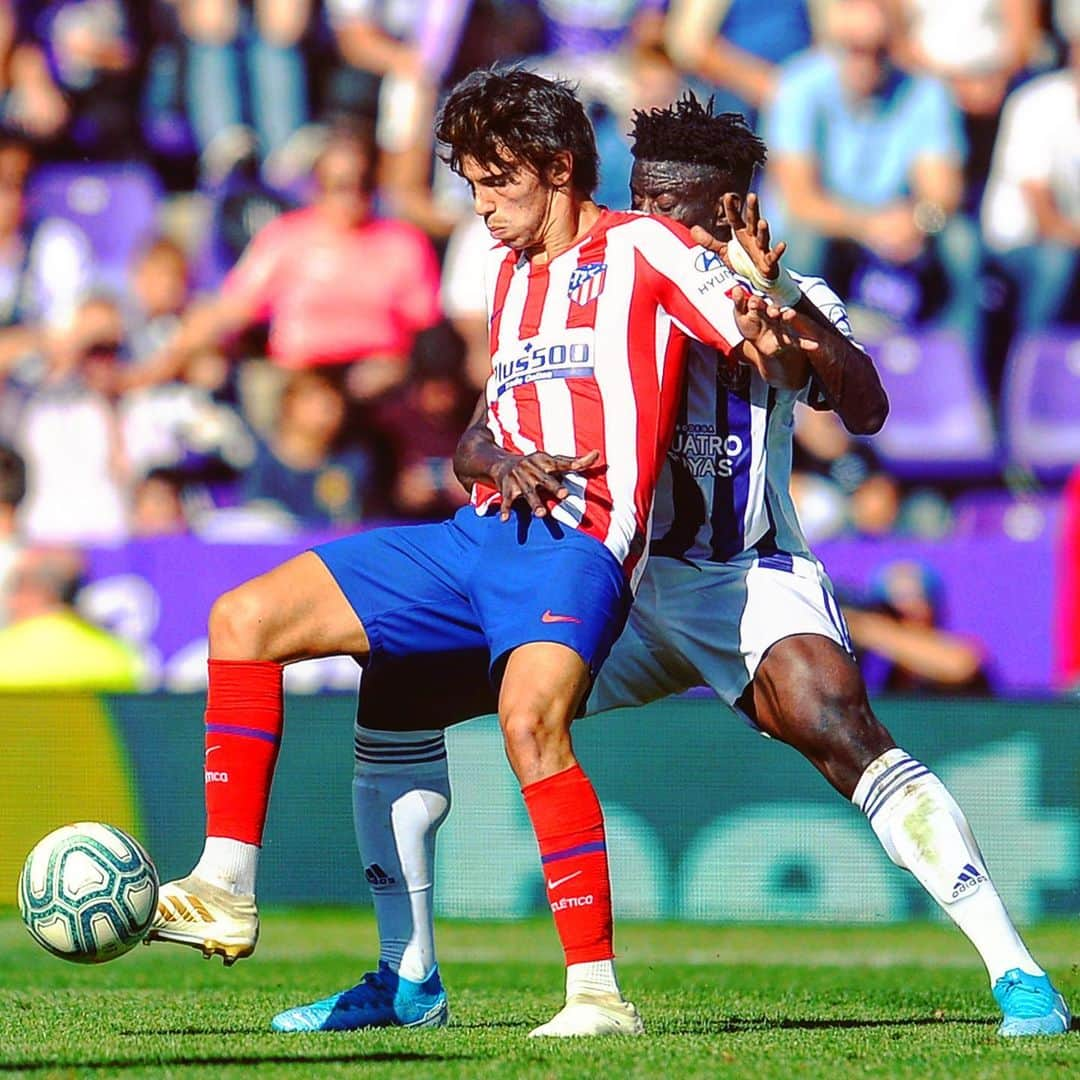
(521, 727)
(239, 624)
(535, 747)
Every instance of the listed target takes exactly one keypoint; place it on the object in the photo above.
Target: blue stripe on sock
(361, 756)
(397, 749)
(876, 786)
(250, 732)
(923, 771)
(418, 743)
(581, 849)
(884, 791)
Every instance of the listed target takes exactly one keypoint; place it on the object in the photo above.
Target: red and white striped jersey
(588, 352)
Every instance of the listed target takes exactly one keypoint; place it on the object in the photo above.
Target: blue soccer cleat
(381, 999)
(1030, 1005)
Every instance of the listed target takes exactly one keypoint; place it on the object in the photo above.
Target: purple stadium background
(996, 589)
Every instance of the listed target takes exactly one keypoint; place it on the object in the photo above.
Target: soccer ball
(88, 892)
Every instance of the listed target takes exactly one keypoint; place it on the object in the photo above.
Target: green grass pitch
(761, 1002)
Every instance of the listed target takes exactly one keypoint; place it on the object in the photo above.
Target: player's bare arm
(846, 372)
(773, 343)
(536, 478)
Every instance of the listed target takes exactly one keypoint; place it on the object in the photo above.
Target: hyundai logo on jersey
(708, 261)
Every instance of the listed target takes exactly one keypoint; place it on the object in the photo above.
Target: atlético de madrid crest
(586, 283)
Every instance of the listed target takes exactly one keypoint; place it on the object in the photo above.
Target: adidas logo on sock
(969, 878)
(377, 877)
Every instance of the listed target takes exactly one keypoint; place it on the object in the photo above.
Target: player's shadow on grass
(731, 1024)
(359, 1057)
(490, 1025)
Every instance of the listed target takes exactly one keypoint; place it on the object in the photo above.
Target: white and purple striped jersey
(588, 352)
(724, 488)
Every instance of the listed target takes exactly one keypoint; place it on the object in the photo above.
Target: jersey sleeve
(821, 295)
(691, 284)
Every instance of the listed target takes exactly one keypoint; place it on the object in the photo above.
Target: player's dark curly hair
(498, 112)
(689, 131)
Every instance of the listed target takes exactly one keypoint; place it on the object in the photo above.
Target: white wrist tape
(781, 289)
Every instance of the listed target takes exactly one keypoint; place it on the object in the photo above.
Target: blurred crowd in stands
(240, 293)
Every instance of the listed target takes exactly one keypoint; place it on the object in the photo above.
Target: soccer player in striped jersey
(731, 596)
(589, 311)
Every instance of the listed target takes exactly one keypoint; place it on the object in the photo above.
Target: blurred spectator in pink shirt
(338, 286)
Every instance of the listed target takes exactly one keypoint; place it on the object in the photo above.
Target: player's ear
(560, 169)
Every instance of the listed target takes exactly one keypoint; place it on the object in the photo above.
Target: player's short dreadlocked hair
(496, 111)
(689, 131)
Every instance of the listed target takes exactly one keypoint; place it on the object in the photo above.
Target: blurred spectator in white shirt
(68, 432)
(979, 47)
(462, 295)
(1031, 209)
(44, 269)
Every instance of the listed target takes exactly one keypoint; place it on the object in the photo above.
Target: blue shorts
(476, 582)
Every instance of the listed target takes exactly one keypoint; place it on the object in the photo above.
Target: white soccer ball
(88, 892)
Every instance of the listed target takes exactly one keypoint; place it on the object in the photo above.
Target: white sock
(924, 831)
(593, 977)
(401, 794)
(229, 864)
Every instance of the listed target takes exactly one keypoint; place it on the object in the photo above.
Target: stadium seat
(115, 205)
(940, 423)
(1041, 402)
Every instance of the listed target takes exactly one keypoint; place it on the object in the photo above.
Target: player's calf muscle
(809, 694)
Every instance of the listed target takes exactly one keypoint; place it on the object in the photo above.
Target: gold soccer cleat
(592, 1014)
(193, 912)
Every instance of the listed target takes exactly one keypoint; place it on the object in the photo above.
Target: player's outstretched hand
(537, 478)
(752, 235)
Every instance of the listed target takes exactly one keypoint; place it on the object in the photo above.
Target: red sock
(243, 731)
(569, 827)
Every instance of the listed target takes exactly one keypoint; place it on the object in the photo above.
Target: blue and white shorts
(711, 624)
